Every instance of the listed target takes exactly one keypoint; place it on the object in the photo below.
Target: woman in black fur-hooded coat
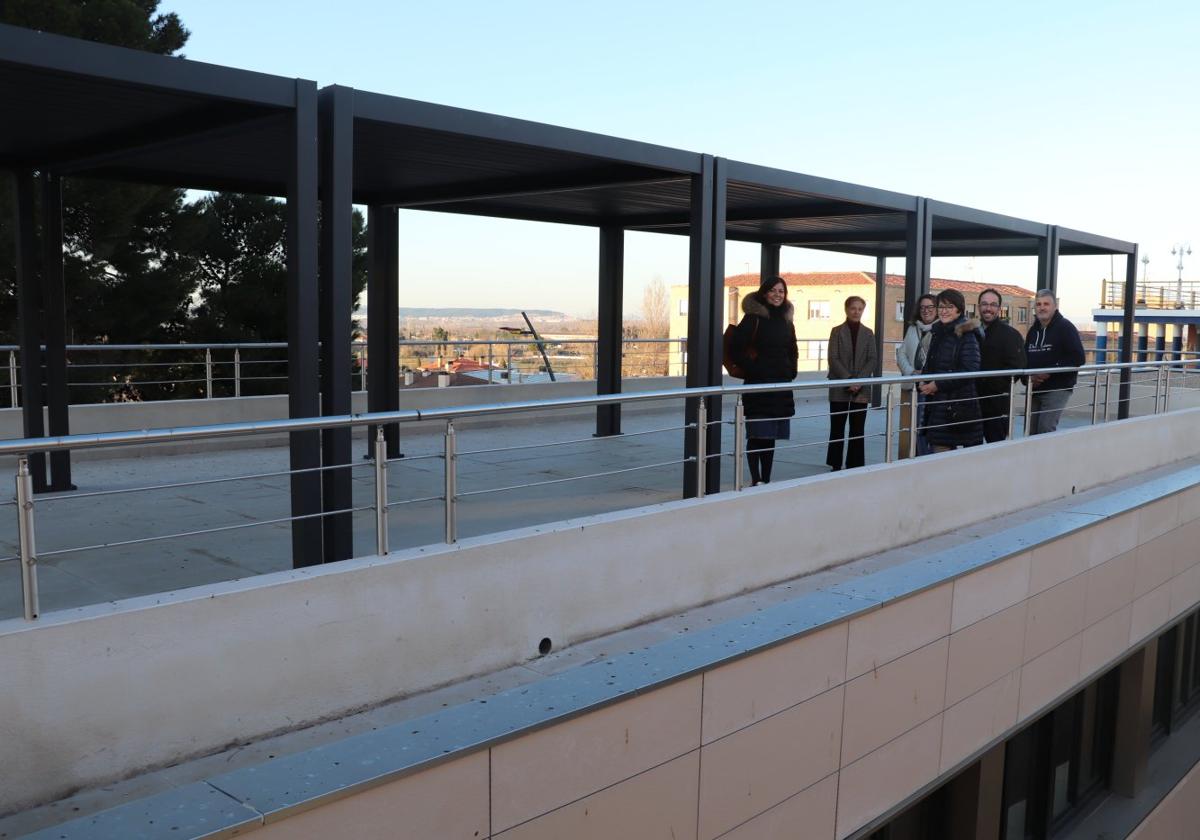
(764, 345)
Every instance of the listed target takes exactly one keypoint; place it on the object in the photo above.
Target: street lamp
(1180, 249)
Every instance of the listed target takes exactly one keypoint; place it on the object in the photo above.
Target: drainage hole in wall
(544, 646)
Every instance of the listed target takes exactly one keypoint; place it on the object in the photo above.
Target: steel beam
(880, 323)
(383, 305)
(55, 326)
(1126, 351)
(917, 252)
(303, 385)
(29, 321)
(768, 262)
(609, 327)
(336, 109)
(701, 283)
(1048, 260)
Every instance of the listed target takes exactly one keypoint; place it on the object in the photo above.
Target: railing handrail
(404, 342)
(97, 440)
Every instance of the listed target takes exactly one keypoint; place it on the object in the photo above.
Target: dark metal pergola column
(609, 327)
(29, 320)
(383, 333)
(1048, 260)
(336, 261)
(918, 246)
(303, 394)
(55, 326)
(768, 262)
(880, 323)
(706, 262)
(1126, 352)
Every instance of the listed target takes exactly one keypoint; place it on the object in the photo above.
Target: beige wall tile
(887, 702)
(1156, 518)
(1109, 587)
(1104, 641)
(1189, 506)
(756, 768)
(750, 689)
(1111, 537)
(1048, 676)
(552, 767)
(1185, 546)
(874, 783)
(984, 652)
(1153, 565)
(658, 803)
(977, 720)
(1149, 613)
(814, 809)
(990, 590)
(898, 628)
(449, 800)
(1054, 616)
(1185, 591)
(1059, 560)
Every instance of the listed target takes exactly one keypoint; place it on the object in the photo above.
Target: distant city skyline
(1077, 113)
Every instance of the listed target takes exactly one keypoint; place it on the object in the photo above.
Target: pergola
(79, 108)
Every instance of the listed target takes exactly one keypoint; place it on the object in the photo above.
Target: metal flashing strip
(291, 784)
(191, 811)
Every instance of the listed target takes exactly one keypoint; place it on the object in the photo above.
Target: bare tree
(656, 323)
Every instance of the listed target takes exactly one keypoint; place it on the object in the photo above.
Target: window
(1054, 767)
(899, 310)
(970, 310)
(1023, 315)
(683, 306)
(813, 350)
(1176, 678)
(818, 310)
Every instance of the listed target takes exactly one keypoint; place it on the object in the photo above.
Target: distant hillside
(474, 312)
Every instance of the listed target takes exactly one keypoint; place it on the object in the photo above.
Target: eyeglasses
(983, 305)
(925, 306)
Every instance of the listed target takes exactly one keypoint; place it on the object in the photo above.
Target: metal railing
(151, 372)
(1170, 294)
(1142, 382)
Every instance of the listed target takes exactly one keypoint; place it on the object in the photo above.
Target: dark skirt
(769, 429)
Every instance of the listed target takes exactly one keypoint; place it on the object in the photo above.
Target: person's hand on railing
(927, 388)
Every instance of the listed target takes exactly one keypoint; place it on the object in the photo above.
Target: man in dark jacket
(1052, 341)
(1001, 348)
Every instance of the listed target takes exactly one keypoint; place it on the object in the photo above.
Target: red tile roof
(863, 278)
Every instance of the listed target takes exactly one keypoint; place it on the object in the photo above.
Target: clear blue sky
(1083, 114)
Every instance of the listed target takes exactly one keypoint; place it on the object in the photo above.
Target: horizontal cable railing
(1135, 382)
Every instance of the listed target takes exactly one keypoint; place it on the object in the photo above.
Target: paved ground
(74, 520)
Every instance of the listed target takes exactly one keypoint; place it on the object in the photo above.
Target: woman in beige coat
(852, 355)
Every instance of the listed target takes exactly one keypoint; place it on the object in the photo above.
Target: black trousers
(854, 449)
(995, 417)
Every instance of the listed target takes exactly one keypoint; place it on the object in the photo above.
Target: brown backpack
(727, 359)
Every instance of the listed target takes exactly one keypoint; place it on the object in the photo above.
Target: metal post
(29, 583)
(1107, 391)
(1028, 408)
(739, 444)
(362, 369)
(1012, 407)
(1095, 397)
(489, 363)
(889, 427)
(13, 389)
(208, 373)
(701, 440)
(381, 492)
(237, 371)
(1166, 389)
(451, 485)
(914, 418)
(508, 361)
(1157, 387)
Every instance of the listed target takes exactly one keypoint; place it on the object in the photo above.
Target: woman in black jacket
(764, 345)
(952, 415)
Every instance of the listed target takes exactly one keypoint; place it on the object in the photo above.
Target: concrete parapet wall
(185, 673)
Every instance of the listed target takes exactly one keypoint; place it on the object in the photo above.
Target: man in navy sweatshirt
(1052, 341)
